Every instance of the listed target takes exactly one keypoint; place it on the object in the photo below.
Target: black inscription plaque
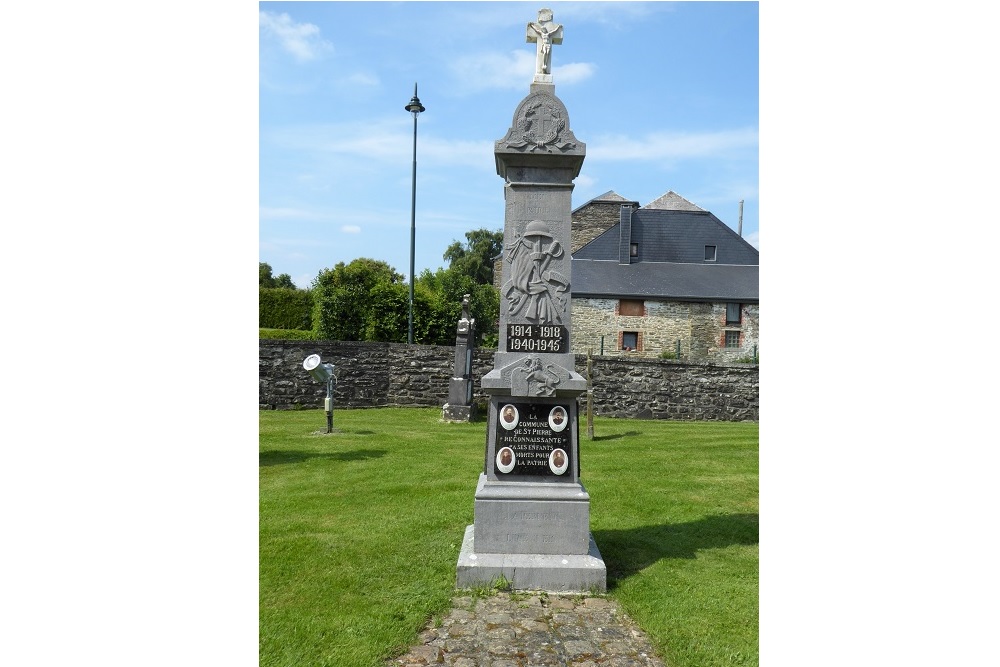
(533, 439)
(537, 338)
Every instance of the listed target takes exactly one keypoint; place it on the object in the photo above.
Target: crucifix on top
(544, 33)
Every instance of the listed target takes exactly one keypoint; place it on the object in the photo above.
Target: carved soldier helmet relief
(537, 228)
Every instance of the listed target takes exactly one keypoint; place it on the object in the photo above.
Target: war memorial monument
(531, 511)
(460, 407)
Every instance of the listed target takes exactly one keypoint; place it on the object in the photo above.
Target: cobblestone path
(532, 630)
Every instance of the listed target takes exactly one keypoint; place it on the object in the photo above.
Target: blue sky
(664, 94)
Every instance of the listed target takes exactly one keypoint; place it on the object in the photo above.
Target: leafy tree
(344, 305)
(284, 281)
(485, 303)
(475, 258)
(267, 280)
(470, 271)
(450, 286)
(432, 320)
(390, 319)
(368, 300)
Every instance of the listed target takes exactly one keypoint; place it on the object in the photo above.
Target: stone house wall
(396, 374)
(593, 219)
(700, 327)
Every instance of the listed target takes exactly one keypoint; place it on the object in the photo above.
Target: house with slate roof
(663, 277)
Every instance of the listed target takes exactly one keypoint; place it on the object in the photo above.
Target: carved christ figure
(544, 33)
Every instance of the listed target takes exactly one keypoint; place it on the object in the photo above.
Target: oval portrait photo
(558, 461)
(508, 417)
(558, 418)
(506, 460)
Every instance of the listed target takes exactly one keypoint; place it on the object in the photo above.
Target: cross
(544, 33)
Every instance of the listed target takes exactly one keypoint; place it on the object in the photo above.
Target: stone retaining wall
(383, 374)
(658, 389)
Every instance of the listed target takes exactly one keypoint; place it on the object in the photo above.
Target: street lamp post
(414, 107)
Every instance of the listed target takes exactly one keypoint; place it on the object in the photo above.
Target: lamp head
(319, 371)
(414, 106)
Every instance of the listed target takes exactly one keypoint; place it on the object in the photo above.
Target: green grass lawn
(360, 531)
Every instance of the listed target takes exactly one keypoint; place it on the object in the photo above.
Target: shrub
(283, 308)
(286, 334)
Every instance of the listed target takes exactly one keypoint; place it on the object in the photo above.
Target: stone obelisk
(532, 514)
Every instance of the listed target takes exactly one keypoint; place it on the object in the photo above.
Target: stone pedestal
(532, 513)
(457, 413)
(538, 572)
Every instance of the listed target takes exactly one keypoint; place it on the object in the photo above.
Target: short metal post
(329, 405)
(590, 396)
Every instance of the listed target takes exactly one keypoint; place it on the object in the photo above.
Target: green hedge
(283, 308)
(286, 334)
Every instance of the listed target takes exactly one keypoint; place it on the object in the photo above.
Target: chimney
(740, 231)
(625, 239)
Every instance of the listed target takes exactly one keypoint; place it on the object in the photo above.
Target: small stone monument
(532, 514)
(459, 407)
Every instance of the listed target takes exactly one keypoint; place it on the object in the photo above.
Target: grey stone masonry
(596, 217)
(371, 375)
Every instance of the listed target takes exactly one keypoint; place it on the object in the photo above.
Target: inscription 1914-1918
(537, 338)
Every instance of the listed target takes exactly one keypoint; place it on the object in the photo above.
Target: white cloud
(361, 79)
(584, 182)
(350, 229)
(617, 15)
(510, 71)
(572, 72)
(387, 140)
(480, 71)
(302, 40)
(661, 145)
(753, 238)
(476, 154)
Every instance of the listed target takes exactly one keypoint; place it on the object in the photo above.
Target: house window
(732, 339)
(633, 250)
(631, 307)
(630, 340)
(733, 314)
(710, 253)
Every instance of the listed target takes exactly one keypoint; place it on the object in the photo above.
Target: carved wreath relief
(535, 292)
(540, 123)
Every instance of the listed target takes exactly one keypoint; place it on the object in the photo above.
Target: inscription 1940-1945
(537, 338)
(533, 439)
